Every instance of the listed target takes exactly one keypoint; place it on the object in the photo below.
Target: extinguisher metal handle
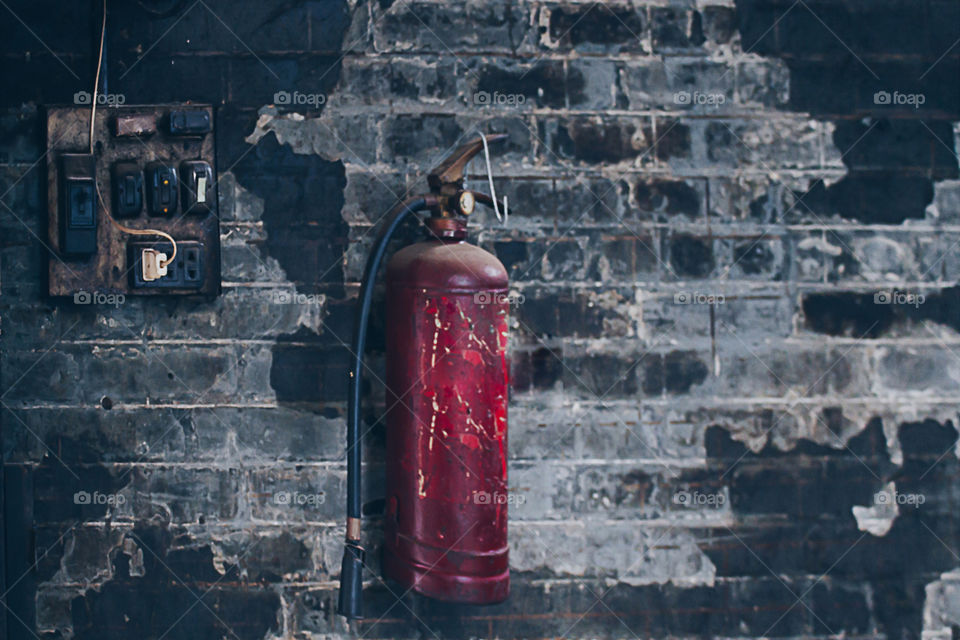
(451, 172)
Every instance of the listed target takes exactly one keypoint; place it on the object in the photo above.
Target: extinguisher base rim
(447, 587)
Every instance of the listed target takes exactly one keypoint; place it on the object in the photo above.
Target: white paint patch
(884, 258)
(821, 245)
(321, 135)
(135, 554)
(624, 551)
(941, 609)
(946, 202)
(878, 518)
(266, 117)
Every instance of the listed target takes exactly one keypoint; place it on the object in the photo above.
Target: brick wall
(713, 417)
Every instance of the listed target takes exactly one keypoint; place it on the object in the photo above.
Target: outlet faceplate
(185, 272)
(146, 147)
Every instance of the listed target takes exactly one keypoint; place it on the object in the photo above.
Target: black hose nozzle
(350, 602)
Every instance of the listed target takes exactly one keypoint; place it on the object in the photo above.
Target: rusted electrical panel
(153, 167)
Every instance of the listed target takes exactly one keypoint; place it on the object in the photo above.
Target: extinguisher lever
(451, 172)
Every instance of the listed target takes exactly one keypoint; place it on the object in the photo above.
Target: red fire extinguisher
(446, 507)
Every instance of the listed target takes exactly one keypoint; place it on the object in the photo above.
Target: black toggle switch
(196, 178)
(78, 205)
(161, 189)
(127, 190)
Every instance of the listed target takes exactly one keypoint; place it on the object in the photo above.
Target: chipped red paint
(446, 524)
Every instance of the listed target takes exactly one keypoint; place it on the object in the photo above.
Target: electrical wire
(93, 119)
(96, 79)
(139, 232)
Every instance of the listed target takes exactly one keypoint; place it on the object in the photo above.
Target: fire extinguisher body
(447, 393)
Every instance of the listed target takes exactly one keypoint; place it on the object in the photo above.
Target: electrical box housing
(152, 167)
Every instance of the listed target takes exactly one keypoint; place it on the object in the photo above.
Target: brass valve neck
(447, 228)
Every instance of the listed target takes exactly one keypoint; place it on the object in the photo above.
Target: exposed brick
(573, 313)
(765, 83)
(539, 369)
(397, 80)
(706, 395)
(646, 85)
(407, 137)
(668, 198)
(442, 28)
(673, 139)
(700, 86)
(676, 29)
(596, 141)
(591, 200)
(592, 84)
(562, 259)
(512, 253)
(691, 256)
(672, 373)
(598, 27)
(624, 258)
(600, 375)
(544, 84)
(799, 373)
(764, 144)
(930, 367)
(719, 23)
(758, 257)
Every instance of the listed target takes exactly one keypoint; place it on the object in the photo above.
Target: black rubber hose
(350, 602)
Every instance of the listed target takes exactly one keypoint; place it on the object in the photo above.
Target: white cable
(96, 79)
(493, 191)
(93, 118)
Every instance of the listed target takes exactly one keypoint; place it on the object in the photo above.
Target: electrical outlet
(185, 272)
